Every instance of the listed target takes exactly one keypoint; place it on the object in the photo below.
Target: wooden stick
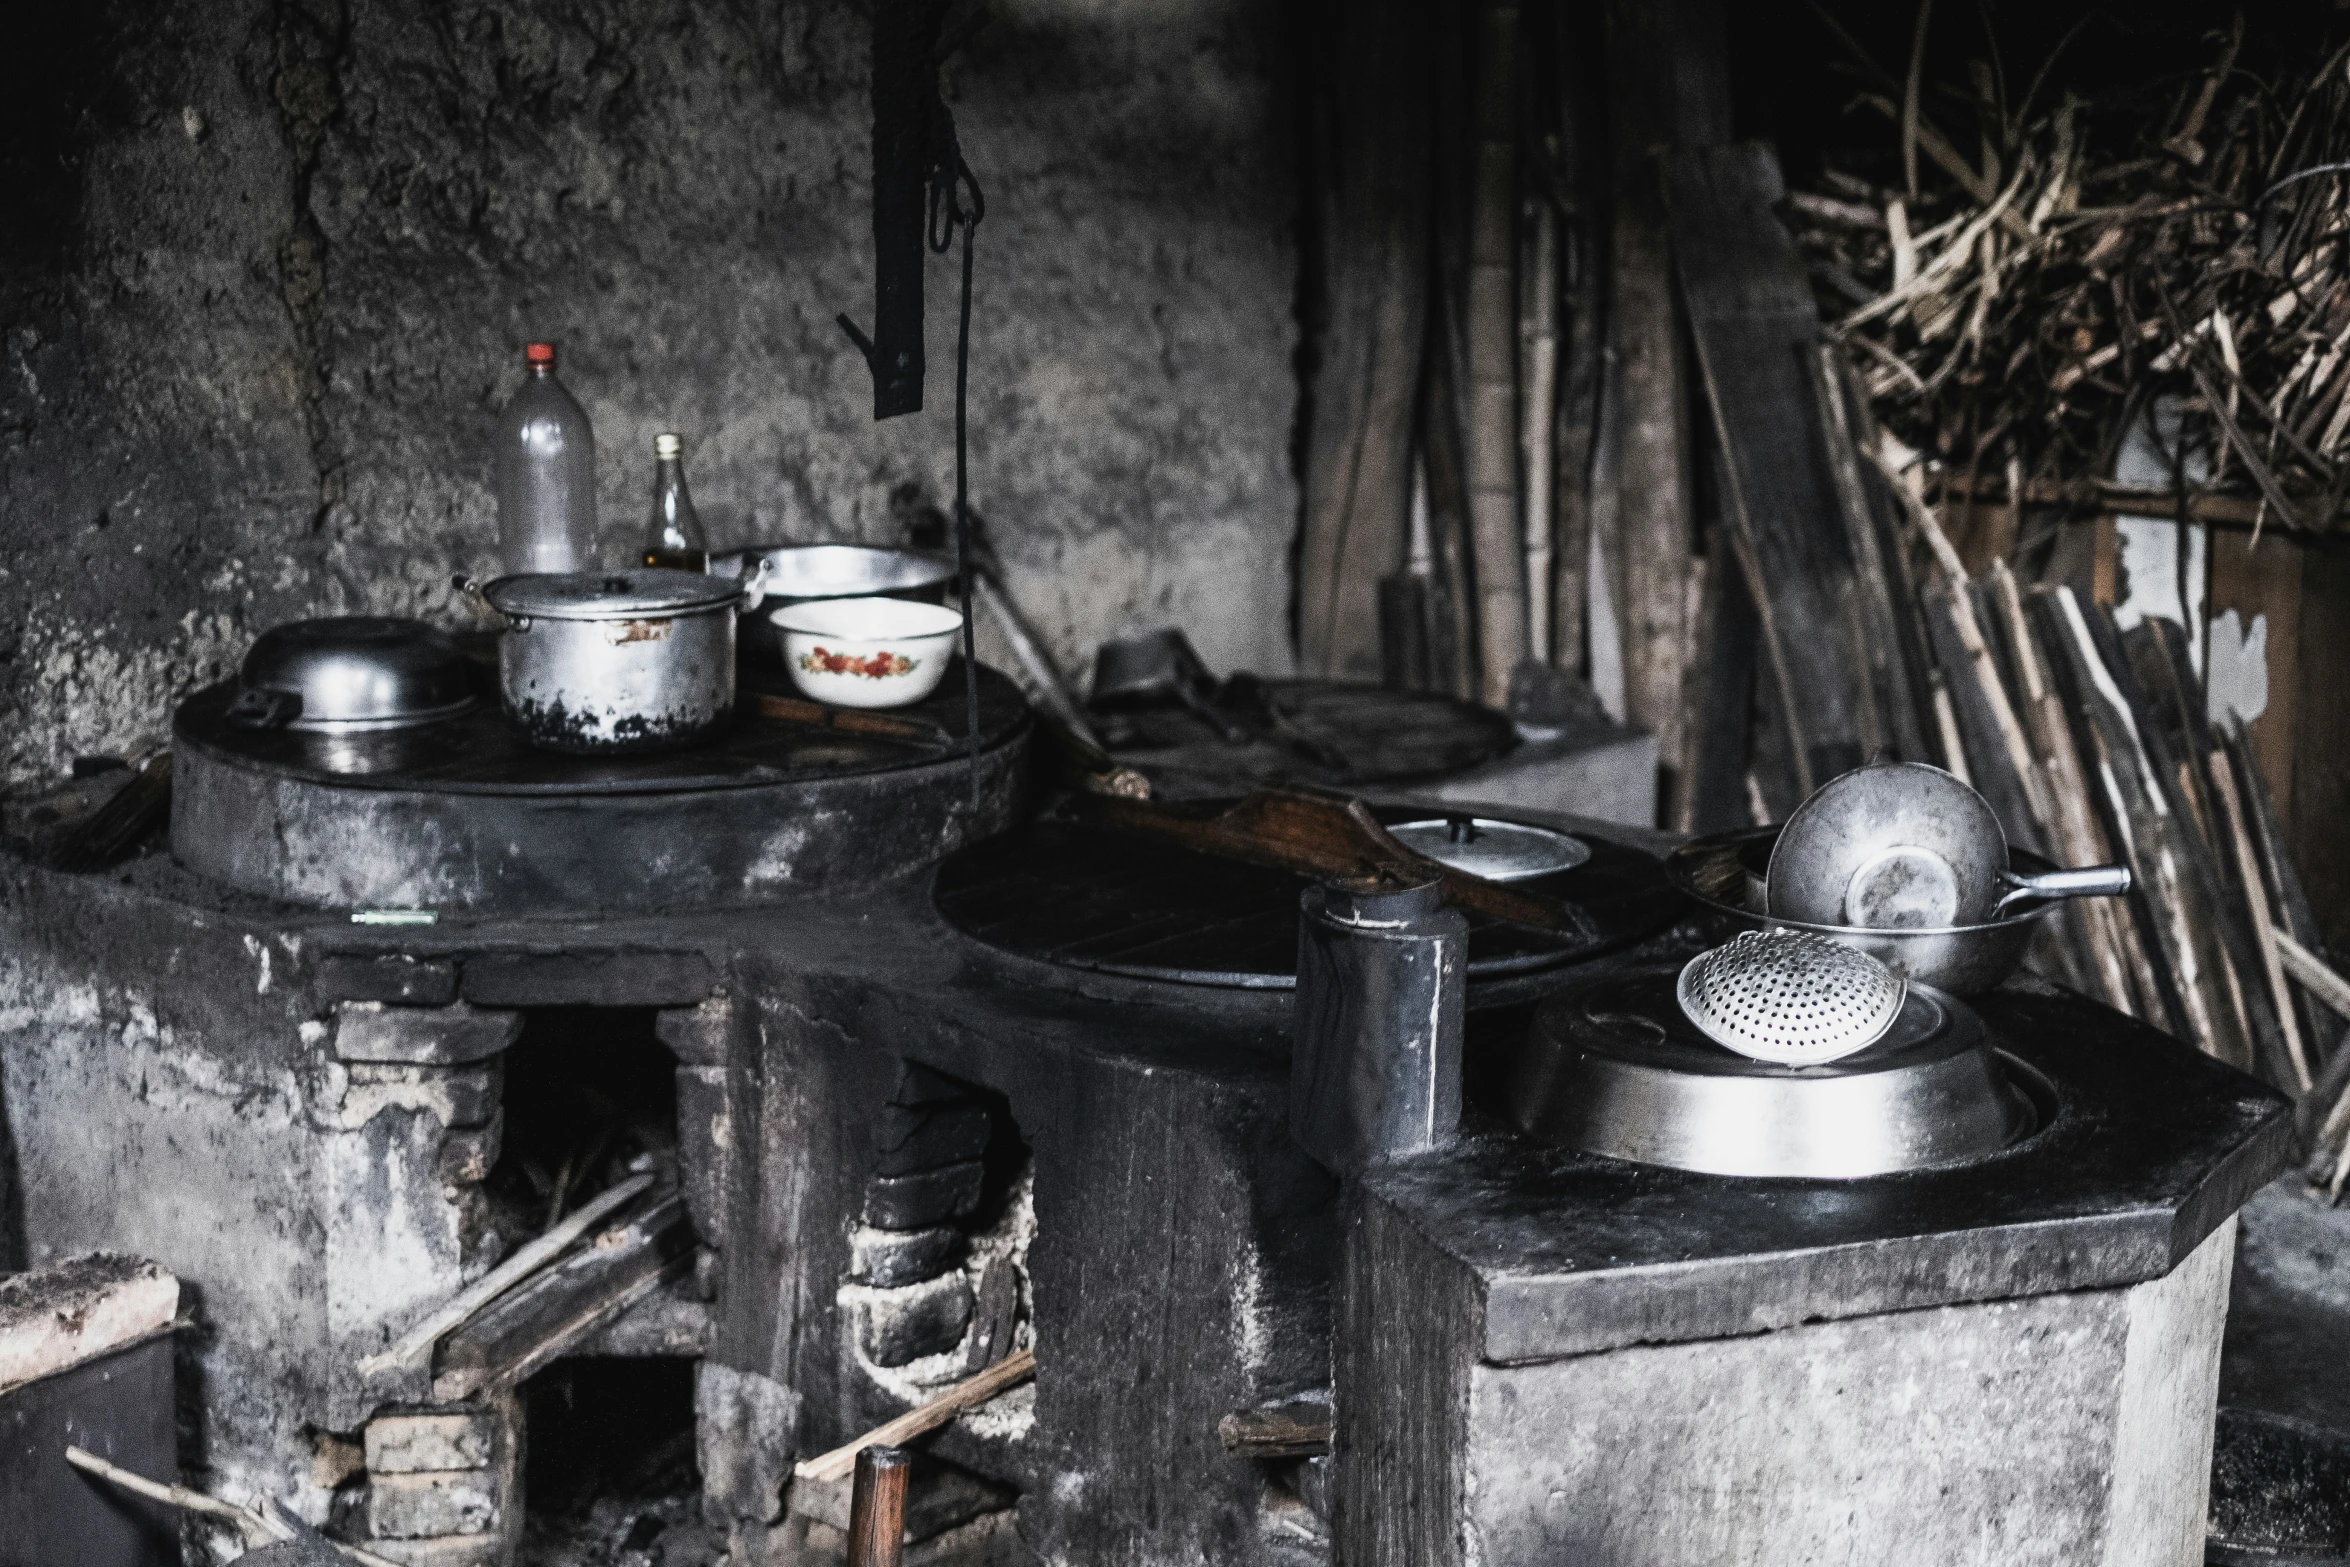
(420, 1339)
(1490, 395)
(2263, 927)
(2310, 970)
(256, 1523)
(970, 1393)
(877, 1507)
(1538, 340)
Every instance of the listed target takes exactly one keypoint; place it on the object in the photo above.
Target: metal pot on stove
(350, 674)
(602, 662)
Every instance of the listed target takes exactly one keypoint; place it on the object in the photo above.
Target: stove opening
(590, 1098)
(608, 1467)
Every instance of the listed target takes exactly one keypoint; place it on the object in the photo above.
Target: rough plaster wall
(282, 258)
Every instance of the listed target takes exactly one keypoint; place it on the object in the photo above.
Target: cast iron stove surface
(1087, 898)
(1615, 1067)
(479, 752)
(461, 815)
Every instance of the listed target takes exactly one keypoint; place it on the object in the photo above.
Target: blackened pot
(595, 663)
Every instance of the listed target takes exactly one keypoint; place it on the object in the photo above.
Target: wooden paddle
(1324, 835)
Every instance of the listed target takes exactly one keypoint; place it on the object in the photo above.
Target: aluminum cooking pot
(799, 573)
(348, 674)
(598, 662)
(1724, 874)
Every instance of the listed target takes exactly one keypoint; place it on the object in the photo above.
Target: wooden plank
(1756, 328)
(531, 1325)
(1369, 130)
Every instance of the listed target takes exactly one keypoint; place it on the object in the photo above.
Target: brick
(449, 1550)
(422, 1036)
(400, 979)
(889, 1258)
(697, 1035)
(575, 977)
(437, 1502)
(916, 1202)
(458, 1095)
(900, 1325)
(441, 1440)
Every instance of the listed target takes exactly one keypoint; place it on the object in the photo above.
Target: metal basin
(1725, 873)
(1615, 1068)
(799, 573)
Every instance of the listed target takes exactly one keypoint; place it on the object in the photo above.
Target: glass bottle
(546, 474)
(674, 537)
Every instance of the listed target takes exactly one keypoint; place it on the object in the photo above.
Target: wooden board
(1756, 327)
(2266, 581)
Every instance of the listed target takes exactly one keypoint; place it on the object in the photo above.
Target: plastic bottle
(674, 537)
(546, 474)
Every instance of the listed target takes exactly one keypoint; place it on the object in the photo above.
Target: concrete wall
(273, 264)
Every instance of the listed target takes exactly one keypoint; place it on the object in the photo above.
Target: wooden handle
(877, 1507)
(1327, 836)
(970, 1393)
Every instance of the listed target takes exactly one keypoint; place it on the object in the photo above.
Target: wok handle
(2094, 881)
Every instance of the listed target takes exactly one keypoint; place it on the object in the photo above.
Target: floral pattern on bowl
(878, 666)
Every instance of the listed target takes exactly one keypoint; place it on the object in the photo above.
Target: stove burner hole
(590, 1094)
(608, 1469)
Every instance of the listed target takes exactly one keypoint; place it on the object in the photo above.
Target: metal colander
(1790, 996)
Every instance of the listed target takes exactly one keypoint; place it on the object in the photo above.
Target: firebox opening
(590, 1096)
(609, 1470)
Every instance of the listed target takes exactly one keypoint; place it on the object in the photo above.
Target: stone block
(397, 978)
(697, 1035)
(588, 978)
(469, 1153)
(895, 1326)
(422, 1036)
(68, 1312)
(438, 1440)
(746, 1428)
(906, 1140)
(705, 1145)
(916, 1202)
(434, 1502)
(887, 1259)
(449, 1550)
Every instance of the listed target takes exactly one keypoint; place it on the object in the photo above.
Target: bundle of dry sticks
(2014, 306)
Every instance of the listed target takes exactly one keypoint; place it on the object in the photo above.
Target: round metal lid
(1615, 1068)
(610, 595)
(837, 571)
(1495, 850)
(358, 671)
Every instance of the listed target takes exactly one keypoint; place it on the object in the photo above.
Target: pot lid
(1495, 850)
(609, 595)
(359, 669)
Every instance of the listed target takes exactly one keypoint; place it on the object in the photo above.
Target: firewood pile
(2014, 309)
(2010, 306)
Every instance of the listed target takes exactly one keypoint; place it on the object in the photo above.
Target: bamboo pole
(970, 1393)
(1538, 353)
(1491, 382)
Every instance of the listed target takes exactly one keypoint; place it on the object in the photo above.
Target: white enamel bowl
(870, 652)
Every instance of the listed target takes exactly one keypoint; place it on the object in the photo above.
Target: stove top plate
(1616, 1068)
(1089, 898)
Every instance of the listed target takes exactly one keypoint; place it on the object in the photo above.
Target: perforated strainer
(1791, 997)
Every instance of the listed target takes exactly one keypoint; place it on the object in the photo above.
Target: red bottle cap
(539, 354)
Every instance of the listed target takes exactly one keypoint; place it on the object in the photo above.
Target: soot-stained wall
(270, 266)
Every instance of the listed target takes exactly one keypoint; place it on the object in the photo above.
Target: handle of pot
(755, 586)
(258, 707)
(491, 617)
(2094, 881)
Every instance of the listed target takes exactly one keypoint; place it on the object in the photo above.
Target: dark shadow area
(589, 1093)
